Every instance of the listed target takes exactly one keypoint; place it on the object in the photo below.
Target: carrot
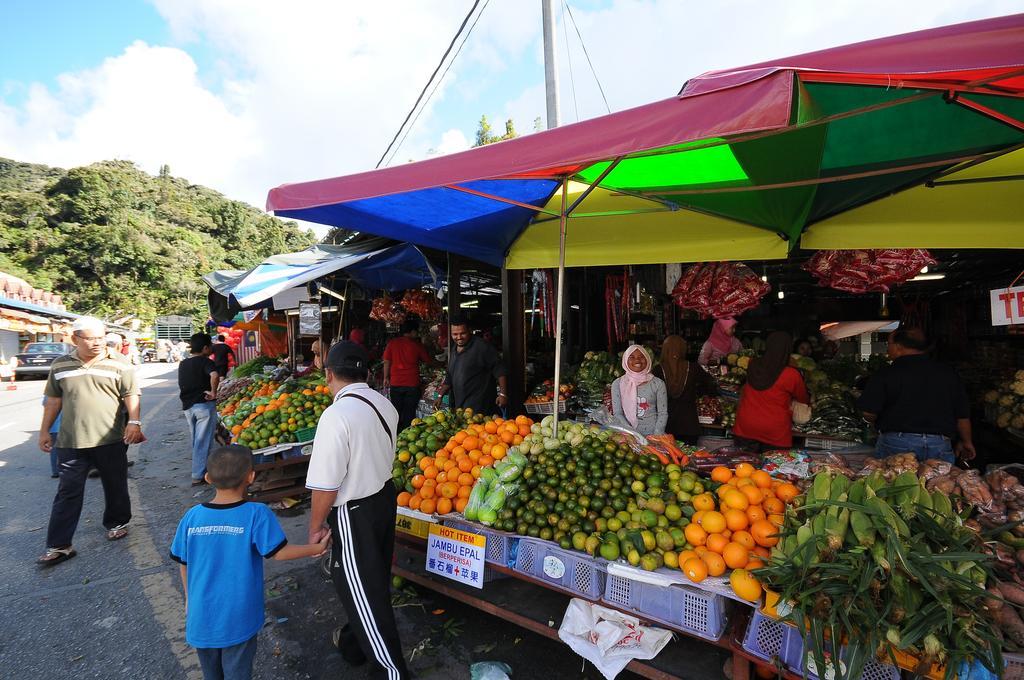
(658, 454)
(668, 444)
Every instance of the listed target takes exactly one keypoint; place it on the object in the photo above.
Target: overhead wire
(440, 80)
(587, 55)
(427, 85)
(568, 54)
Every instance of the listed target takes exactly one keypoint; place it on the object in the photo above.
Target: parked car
(38, 356)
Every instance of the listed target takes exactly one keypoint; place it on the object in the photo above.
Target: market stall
(272, 400)
(905, 142)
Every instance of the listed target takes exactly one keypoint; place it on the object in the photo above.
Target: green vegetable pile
(595, 374)
(252, 367)
(880, 564)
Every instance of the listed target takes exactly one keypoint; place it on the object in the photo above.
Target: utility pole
(550, 63)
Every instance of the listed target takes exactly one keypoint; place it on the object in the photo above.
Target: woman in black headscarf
(684, 382)
(764, 417)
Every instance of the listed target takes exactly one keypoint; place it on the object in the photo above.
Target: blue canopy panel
(270, 278)
(394, 268)
(398, 268)
(442, 218)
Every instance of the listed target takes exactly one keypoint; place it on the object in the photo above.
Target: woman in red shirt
(764, 419)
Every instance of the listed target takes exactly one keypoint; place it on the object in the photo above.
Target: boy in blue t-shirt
(221, 546)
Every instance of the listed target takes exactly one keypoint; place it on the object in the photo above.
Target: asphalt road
(116, 610)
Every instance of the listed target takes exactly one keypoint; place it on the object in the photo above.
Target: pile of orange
(446, 479)
(736, 529)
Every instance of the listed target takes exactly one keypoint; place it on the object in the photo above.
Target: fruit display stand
(280, 472)
(537, 605)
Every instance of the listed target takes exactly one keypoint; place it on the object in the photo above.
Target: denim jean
(202, 424)
(924, 446)
(228, 663)
(54, 470)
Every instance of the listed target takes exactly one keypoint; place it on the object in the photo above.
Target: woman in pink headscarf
(639, 399)
(721, 343)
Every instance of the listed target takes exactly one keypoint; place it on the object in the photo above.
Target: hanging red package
(865, 271)
(719, 289)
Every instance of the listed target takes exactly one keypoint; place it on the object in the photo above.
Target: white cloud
(316, 88)
(145, 105)
(451, 141)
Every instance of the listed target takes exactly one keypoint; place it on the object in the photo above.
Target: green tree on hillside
(115, 241)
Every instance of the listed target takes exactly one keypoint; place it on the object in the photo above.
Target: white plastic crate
(572, 572)
(694, 611)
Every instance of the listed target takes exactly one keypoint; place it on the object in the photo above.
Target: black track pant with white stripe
(363, 549)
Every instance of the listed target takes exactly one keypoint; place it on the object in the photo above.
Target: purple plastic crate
(694, 611)
(766, 637)
(1014, 666)
(572, 572)
(794, 656)
(499, 545)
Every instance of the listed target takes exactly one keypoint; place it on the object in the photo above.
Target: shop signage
(1007, 306)
(458, 555)
(309, 318)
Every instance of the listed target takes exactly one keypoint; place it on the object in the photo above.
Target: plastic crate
(499, 546)
(822, 444)
(765, 637)
(306, 434)
(545, 407)
(1014, 666)
(572, 572)
(794, 657)
(694, 611)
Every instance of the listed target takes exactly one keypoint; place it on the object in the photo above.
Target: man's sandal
(54, 556)
(117, 533)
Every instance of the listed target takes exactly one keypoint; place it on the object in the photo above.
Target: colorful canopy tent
(771, 149)
(374, 268)
(777, 147)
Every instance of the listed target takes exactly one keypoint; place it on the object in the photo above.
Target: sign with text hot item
(1007, 306)
(458, 555)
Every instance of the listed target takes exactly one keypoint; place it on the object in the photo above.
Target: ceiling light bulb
(764, 277)
(782, 294)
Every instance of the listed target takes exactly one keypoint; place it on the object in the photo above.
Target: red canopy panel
(949, 52)
(761, 105)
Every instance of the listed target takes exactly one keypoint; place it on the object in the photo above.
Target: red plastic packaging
(866, 271)
(719, 289)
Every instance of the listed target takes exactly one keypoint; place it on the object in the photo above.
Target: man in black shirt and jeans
(198, 379)
(220, 353)
(917, 404)
(472, 372)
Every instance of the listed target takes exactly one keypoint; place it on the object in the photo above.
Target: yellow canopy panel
(951, 214)
(610, 228)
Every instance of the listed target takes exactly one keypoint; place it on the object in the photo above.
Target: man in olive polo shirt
(96, 393)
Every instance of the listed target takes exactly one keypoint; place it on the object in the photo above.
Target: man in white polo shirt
(354, 499)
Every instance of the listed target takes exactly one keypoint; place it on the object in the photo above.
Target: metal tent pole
(550, 64)
(560, 300)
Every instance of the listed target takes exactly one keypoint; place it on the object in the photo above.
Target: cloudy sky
(243, 95)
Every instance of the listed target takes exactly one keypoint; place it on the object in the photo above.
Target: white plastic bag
(608, 638)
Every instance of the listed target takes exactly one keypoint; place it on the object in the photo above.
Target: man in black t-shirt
(197, 381)
(220, 353)
(472, 372)
(918, 405)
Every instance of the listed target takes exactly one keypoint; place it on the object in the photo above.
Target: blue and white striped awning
(392, 268)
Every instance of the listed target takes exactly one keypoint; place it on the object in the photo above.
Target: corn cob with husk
(903, 572)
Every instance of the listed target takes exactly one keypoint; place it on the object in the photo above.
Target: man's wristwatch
(135, 422)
